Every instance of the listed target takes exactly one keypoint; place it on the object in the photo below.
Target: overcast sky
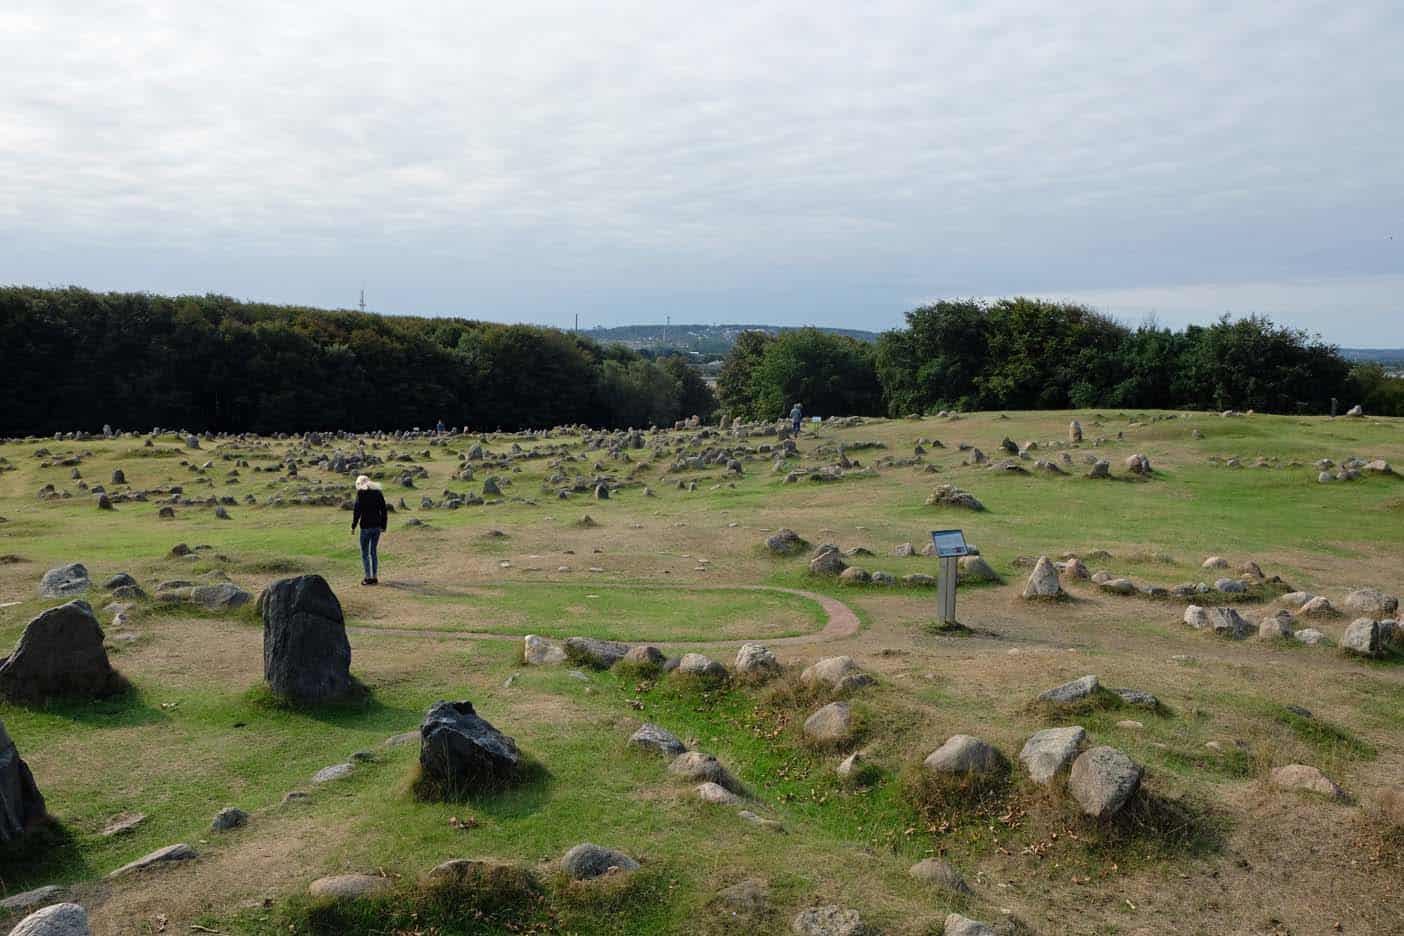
(780, 162)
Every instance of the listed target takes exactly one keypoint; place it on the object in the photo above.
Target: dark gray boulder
(306, 655)
(60, 655)
(21, 805)
(460, 753)
(65, 581)
(587, 861)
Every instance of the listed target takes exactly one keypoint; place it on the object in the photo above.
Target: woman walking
(373, 518)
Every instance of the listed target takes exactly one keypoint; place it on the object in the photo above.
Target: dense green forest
(1031, 354)
(74, 359)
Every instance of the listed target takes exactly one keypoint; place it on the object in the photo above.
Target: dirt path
(840, 620)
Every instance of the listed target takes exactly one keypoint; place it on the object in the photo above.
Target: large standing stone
(60, 655)
(306, 655)
(460, 753)
(65, 919)
(21, 805)
(1074, 432)
(1103, 780)
(65, 581)
(1048, 752)
(1043, 582)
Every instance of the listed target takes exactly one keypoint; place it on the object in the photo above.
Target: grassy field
(1210, 846)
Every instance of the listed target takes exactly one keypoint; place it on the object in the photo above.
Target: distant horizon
(1130, 316)
(798, 163)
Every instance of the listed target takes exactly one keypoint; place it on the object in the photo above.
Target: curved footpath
(840, 621)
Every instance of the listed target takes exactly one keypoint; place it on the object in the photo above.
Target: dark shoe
(366, 581)
(375, 581)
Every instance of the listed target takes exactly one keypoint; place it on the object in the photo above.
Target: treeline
(1032, 354)
(75, 359)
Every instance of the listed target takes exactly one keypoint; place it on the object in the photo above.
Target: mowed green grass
(196, 734)
(629, 613)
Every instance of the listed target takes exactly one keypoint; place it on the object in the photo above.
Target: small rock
(832, 724)
(349, 886)
(158, 858)
(939, 873)
(31, 898)
(1080, 688)
(829, 921)
(228, 818)
(334, 772)
(65, 919)
(716, 794)
(1362, 638)
(756, 661)
(1103, 780)
(1306, 778)
(839, 673)
(587, 861)
(539, 651)
(768, 824)
(1048, 752)
(966, 755)
(652, 738)
(1043, 581)
(957, 925)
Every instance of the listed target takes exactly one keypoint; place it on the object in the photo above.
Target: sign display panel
(949, 543)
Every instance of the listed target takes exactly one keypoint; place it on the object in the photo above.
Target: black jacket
(371, 512)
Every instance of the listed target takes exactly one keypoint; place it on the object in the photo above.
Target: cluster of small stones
(1371, 634)
(1326, 470)
(1101, 779)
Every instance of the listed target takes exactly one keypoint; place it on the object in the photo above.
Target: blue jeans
(370, 539)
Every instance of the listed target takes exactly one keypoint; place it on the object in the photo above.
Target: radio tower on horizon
(363, 297)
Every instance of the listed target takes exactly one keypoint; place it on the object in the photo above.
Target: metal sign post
(950, 546)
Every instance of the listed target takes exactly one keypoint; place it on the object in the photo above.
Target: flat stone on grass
(1307, 779)
(162, 857)
(349, 886)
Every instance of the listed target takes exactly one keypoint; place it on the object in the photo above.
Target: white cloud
(815, 161)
